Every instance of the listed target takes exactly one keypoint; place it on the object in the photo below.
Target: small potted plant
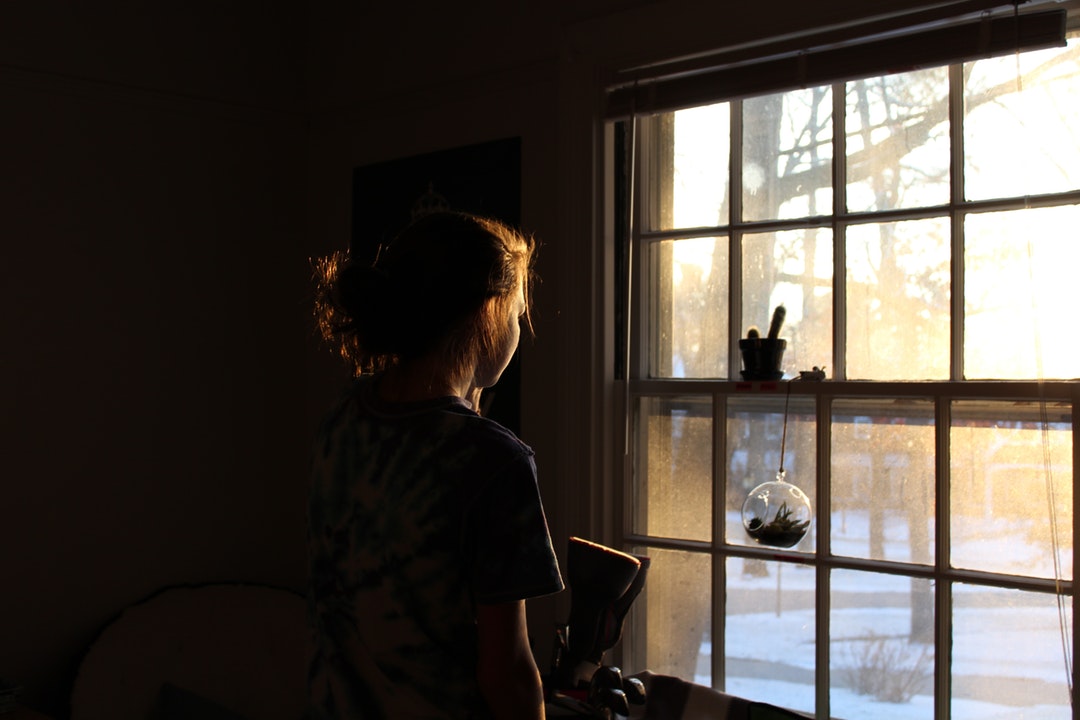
(761, 356)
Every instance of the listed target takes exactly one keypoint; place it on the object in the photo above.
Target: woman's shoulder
(498, 434)
(439, 416)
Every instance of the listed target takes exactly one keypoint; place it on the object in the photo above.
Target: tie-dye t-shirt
(417, 513)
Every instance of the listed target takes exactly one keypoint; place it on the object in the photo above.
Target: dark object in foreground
(603, 583)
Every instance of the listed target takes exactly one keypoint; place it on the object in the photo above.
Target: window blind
(826, 58)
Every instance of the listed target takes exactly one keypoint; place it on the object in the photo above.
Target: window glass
(1011, 490)
(1020, 130)
(787, 155)
(1020, 286)
(793, 268)
(700, 167)
(1007, 653)
(898, 300)
(689, 318)
(898, 141)
(673, 486)
(882, 470)
(769, 632)
(882, 653)
(671, 618)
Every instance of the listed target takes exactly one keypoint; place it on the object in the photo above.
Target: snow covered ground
(1008, 659)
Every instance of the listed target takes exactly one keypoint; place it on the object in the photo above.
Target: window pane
(883, 480)
(1007, 654)
(792, 268)
(882, 647)
(671, 618)
(898, 141)
(787, 155)
(1011, 488)
(1020, 132)
(769, 633)
(1020, 284)
(689, 318)
(673, 484)
(755, 432)
(700, 167)
(898, 300)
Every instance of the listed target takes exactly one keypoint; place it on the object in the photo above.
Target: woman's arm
(506, 671)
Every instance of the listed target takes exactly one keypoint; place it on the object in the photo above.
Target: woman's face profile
(490, 369)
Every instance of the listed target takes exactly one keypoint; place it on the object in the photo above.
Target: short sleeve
(509, 540)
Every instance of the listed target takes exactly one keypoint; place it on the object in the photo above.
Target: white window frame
(637, 385)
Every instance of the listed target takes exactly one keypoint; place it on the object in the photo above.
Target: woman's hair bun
(426, 290)
(361, 286)
(368, 297)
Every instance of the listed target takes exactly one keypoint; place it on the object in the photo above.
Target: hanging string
(783, 435)
(777, 513)
(1048, 474)
(1048, 470)
(1044, 425)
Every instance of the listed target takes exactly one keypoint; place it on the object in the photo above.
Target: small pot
(761, 358)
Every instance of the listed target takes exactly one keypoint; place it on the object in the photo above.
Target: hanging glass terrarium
(777, 513)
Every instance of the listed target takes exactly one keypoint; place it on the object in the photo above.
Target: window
(920, 229)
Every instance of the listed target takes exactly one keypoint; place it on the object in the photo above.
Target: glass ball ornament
(777, 513)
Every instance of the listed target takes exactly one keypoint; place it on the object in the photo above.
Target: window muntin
(910, 281)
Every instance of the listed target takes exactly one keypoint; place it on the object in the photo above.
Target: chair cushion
(241, 649)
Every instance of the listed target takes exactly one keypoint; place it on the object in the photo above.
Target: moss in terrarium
(782, 531)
